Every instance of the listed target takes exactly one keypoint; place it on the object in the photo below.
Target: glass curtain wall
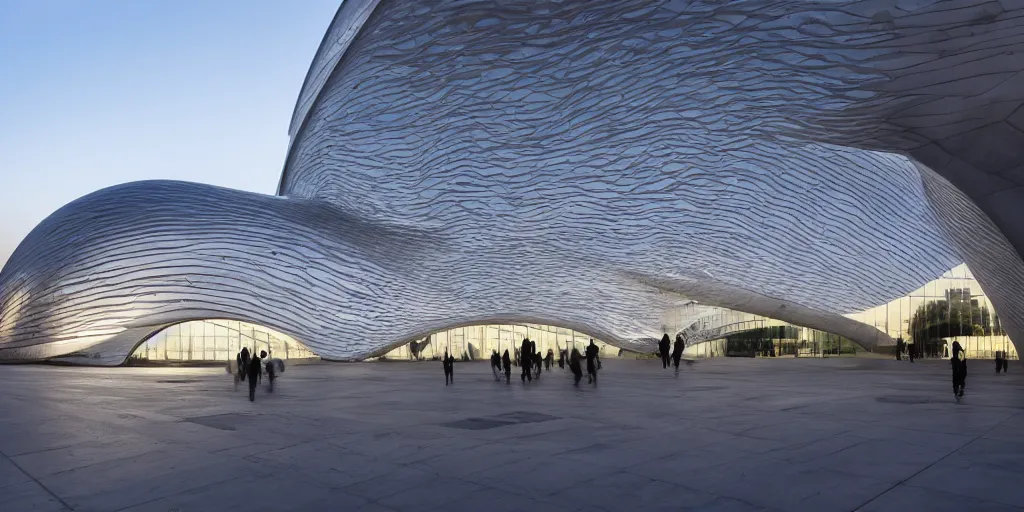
(216, 341)
(477, 342)
(950, 308)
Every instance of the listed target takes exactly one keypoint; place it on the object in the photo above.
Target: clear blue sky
(99, 92)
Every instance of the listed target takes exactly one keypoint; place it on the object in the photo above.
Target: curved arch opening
(214, 341)
(477, 341)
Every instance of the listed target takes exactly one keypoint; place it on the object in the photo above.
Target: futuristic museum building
(617, 169)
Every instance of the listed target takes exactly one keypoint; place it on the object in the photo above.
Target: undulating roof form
(593, 164)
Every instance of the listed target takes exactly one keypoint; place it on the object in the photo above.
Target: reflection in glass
(200, 341)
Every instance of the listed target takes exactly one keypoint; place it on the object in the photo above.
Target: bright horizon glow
(99, 93)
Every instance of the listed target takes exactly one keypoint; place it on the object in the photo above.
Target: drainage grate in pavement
(219, 421)
(501, 420)
(903, 399)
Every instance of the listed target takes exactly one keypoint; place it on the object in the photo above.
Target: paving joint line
(40, 484)
(944, 457)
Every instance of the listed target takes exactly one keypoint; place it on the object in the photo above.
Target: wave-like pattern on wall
(591, 164)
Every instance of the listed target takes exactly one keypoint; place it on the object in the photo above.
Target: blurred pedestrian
(592, 362)
(677, 351)
(506, 363)
(959, 365)
(525, 361)
(446, 364)
(255, 374)
(663, 347)
(496, 365)
(575, 366)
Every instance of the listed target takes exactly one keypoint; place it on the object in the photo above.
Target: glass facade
(215, 341)
(929, 319)
(477, 342)
(950, 308)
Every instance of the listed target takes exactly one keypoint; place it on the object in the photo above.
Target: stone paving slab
(725, 435)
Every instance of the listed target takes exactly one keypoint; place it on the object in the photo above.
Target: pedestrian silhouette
(271, 370)
(255, 375)
(592, 362)
(447, 362)
(549, 360)
(525, 361)
(496, 365)
(575, 367)
(663, 346)
(677, 351)
(245, 359)
(959, 364)
(506, 363)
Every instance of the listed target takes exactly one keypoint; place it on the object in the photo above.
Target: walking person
(538, 362)
(446, 363)
(496, 365)
(663, 346)
(451, 368)
(592, 362)
(533, 359)
(255, 374)
(549, 360)
(271, 370)
(677, 352)
(236, 370)
(506, 363)
(525, 361)
(245, 359)
(910, 352)
(575, 367)
(959, 365)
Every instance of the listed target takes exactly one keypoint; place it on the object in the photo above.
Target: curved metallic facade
(592, 164)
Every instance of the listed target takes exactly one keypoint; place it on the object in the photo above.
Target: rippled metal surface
(592, 164)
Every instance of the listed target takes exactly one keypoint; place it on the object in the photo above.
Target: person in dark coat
(525, 361)
(561, 358)
(592, 362)
(677, 351)
(538, 363)
(575, 367)
(959, 365)
(999, 361)
(244, 363)
(451, 368)
(446, 364)
(496, 365)
(506, 363)
(663, 347)
(549, 360)
(255, 372)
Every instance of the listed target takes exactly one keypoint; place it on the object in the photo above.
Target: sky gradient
(101, 92)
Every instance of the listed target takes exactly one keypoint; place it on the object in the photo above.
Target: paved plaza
(726, 435)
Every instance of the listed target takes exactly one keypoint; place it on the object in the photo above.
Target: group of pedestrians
(671, 358)
(533, 363)
(251, 367)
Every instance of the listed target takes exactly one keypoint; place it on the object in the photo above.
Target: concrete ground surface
(726, 435)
